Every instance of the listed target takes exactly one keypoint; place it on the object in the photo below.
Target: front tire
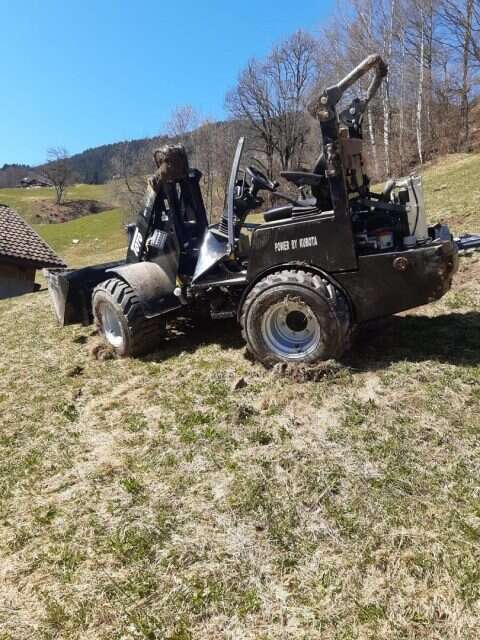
(120, 319)
(295, 316)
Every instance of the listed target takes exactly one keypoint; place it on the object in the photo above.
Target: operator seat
(316, 180)
(318, 184)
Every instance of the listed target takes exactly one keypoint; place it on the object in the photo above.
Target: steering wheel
(260, 178)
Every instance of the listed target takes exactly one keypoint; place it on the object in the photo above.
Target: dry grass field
(161, 498)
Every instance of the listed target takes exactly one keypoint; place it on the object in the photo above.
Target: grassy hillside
(155, 498)
(452, 189)
(26, 201)
(96, 234)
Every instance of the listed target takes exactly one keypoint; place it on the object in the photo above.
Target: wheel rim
(112, 328)
(291, 330)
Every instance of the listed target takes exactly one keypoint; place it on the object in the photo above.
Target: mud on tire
(295, 316)
(120, 319)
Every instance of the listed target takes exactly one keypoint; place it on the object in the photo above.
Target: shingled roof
(20, 243)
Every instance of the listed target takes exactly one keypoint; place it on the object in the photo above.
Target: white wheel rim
(291, 330)
(112, 328)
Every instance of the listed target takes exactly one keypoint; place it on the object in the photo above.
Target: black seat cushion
(303, 178)
(283, 213)
(279, 213)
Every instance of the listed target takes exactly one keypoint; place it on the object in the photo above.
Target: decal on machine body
(296, 243)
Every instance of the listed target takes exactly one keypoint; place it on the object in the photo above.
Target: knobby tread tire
(334, 315)
(141, 334)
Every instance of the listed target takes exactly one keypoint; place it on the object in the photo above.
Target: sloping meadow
(193, 494)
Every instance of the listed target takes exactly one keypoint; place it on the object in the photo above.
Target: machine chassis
(178, 264)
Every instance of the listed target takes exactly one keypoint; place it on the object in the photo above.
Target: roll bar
(231, 190)
(323, 107)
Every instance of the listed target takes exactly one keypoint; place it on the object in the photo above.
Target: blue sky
(83, 73)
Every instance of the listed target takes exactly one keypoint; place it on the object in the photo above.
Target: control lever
(260, 181)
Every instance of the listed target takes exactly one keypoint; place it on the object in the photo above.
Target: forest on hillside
(427, 106)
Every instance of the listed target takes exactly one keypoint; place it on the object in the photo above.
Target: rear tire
(120, 319)
(295, 316)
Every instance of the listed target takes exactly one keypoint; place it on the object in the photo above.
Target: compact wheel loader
(324, 261)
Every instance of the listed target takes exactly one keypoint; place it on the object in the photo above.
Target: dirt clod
(244, 413)
(77, 394)
(240, 383)
(72, 372)
(101, 351)
(305, 373)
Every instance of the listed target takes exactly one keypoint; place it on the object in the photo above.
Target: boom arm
(323, 107)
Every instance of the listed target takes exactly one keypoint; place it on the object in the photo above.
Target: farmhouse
(34, 181)
(22, 252)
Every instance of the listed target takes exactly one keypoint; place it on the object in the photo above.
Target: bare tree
(198, 136)
(183, 120)
(388, 26)
(462, 35)
(182, 125)
(421, 86)
(402, 102)
(291, 69)
(432, 48)
(132, 163)
(462, 19)
(363, 41)
(270, 95)
(206, 141)
(251, 101)
(58, 171)
(467, 38)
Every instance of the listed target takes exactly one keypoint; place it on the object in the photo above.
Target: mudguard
(71, 289)
(153, 284)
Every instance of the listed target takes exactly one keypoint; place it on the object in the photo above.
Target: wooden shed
(22, 252)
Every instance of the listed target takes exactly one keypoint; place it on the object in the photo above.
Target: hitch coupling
(468, 242)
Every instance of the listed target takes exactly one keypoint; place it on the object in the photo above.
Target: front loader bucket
(71, 291)
(58, 288)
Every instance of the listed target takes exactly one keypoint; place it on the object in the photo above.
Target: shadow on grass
(452, 338)
(188, 334)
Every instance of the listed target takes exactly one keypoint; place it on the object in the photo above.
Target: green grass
(25, 201)
(452, 192)
(98, 233)
(144, 499)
